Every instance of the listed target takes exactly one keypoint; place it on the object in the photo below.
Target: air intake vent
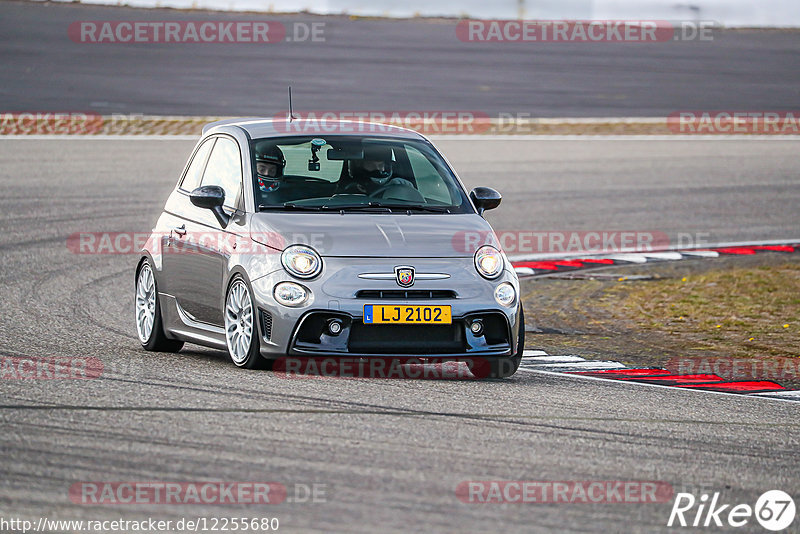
(389, 339)
(405, 294)
(266, 324)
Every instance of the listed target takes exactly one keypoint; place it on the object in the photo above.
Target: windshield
(349, 172)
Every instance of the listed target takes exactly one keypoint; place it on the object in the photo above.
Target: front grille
(405, 294)
(266, 324)
(416, 339)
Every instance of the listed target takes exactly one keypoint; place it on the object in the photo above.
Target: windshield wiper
(415, 207)
(290, 206)
(371, 206)
(380, 206)
(359, 207)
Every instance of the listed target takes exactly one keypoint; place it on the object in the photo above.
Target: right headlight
(489, 262)
(301, 261)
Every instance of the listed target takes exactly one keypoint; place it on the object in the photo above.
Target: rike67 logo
(774, 510)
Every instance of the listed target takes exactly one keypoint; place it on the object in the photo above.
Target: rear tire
(149, 326)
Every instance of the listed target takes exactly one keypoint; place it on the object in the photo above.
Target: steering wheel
(351, 189)
(415, 195)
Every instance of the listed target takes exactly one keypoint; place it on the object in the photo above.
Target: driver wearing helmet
(373, 172)
(269, 165)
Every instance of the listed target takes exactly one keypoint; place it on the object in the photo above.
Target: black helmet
(380, 153)
(271, 154)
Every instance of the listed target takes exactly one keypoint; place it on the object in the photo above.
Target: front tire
(149, 326)
(241, 330)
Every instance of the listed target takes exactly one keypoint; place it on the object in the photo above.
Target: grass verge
(742, 312)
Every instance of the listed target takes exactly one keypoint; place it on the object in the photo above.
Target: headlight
(489, 262)
(290, 294)
(505, 295)
(301, 261)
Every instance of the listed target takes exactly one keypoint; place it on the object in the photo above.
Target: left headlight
(301, 261)
(489, 262)
(290, 294)
(505, 295)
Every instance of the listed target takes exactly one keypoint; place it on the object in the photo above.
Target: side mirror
(211, 197)
(485, 198)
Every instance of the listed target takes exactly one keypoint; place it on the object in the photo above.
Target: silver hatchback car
(292, 239)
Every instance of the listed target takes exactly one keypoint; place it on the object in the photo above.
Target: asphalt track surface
(389, 452)
(382, 65)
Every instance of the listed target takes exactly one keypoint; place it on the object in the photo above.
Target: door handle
(180, 230)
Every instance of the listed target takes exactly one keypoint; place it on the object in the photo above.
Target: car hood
(379, 235)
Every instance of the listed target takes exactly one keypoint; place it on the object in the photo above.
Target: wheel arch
(237, 270)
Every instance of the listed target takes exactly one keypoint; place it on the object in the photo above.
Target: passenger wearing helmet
(270, 162)
(269, 165)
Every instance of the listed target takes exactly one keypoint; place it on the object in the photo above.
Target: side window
(191, 180)
(225, 170)
(429, 181)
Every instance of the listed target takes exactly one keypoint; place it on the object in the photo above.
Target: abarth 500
(286, 240)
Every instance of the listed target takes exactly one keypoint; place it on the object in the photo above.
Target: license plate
(396, 314)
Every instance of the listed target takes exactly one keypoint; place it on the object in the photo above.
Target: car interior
(324, 171)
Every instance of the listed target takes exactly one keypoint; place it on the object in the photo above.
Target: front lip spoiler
(345, 355)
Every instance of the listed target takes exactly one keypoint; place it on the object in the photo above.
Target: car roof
(258, 128)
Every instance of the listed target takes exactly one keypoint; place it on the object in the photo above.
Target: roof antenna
(291, 113)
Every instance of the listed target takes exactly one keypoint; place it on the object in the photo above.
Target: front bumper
(337, 294)
(312, 337)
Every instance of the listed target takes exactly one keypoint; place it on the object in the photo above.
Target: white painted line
(587, 365)
(793, 394)
(633, 258)
(552, 359)
(701, 253)
(663, 255)
(524, 271)
(634, 384)
(531, 352)
(699, 250)
(734, 244)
